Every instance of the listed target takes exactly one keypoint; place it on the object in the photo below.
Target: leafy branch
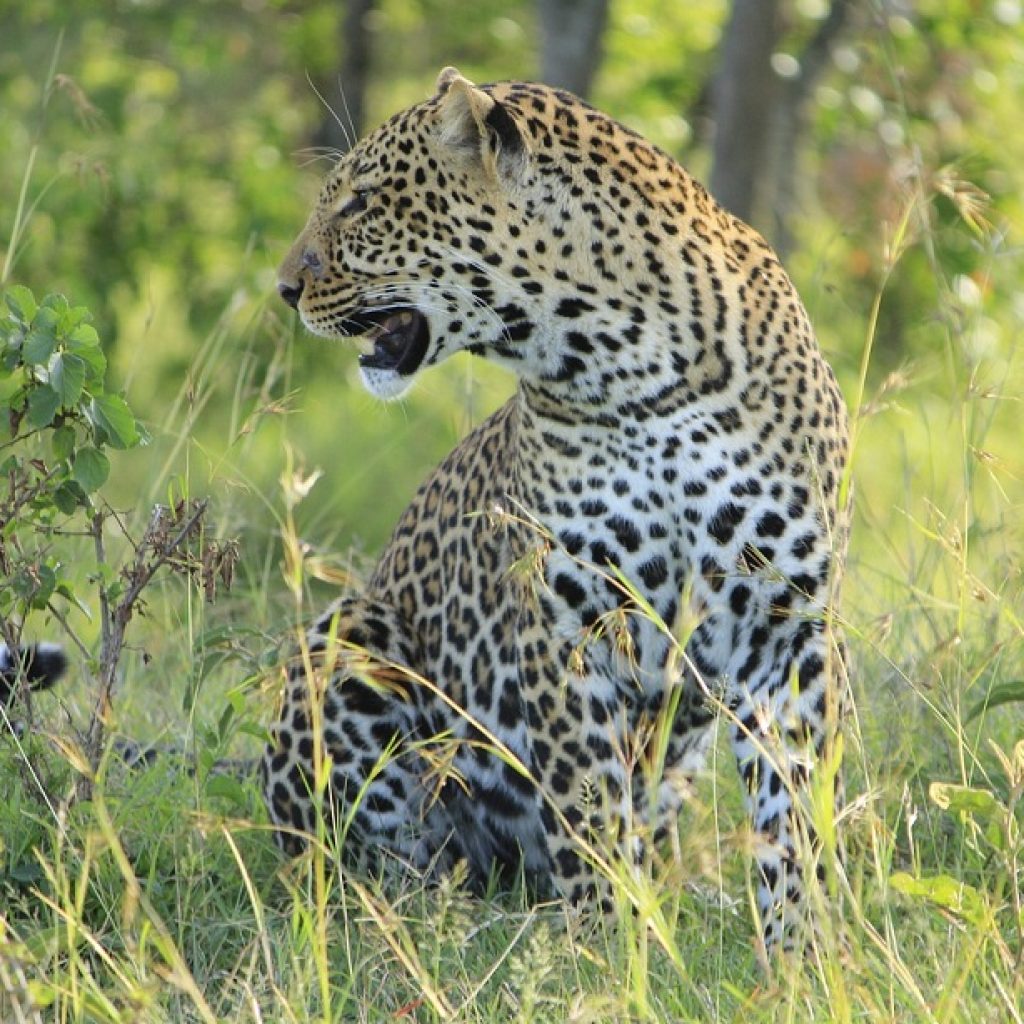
(59, 423)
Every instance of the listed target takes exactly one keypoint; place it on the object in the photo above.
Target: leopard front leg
(784, 724)
(345, 745)
(585, 784)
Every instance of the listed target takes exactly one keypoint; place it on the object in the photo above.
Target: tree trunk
(743, 95)
(789, 123)
(343, 122)
(571, 36)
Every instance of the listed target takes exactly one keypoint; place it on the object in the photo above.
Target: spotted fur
(676, 441)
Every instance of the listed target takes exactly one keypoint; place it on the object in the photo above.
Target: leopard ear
(476, 125)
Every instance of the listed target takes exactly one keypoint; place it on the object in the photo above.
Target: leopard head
(397, 250)
(510, 220)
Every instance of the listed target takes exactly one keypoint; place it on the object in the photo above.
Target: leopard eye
(357, 203)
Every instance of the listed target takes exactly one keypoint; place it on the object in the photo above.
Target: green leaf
(25, 872)
(41, 339)
(84, 334)
(94, 359)
(41, 993)
(90, 469)
(1011, 692)
(38, 348)
(252, 729)
(228, 788)
(953, 797)
(71, 319)
(63, 442)
(43, 403)
(946, 892)
(12, 334)
(995, 833)
(67, 377)
(112, 415)
(34, 584)
(47, 580)
(68, 497)
(21, 302)
(224, 722)
(56, 302)
(71, 597)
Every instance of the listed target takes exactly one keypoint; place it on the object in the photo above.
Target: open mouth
(399, 337)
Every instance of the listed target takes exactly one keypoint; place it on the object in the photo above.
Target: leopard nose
(291, 293)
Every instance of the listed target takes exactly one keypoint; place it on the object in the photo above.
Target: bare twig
(157, 548)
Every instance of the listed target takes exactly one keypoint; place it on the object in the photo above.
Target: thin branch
(152, 553)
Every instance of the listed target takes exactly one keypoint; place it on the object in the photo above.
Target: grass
(162, 897)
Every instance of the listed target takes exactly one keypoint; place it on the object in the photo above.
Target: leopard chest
(611, 528)
(665, 520)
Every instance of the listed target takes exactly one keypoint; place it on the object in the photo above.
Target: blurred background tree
(162, 174)
(345, 118)
(571, 42)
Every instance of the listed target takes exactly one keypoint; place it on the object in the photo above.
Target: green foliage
(59, 421)
(994, 837)
(1009, 692)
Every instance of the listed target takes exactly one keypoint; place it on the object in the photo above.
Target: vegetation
(154, 173)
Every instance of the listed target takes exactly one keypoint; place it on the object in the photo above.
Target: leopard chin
(393, 343)
(385, 384)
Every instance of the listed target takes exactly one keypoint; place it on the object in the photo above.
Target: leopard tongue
(392, 338)
(390, 341)
(384, 334)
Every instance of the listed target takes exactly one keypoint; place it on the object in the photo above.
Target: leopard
(645, 540)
